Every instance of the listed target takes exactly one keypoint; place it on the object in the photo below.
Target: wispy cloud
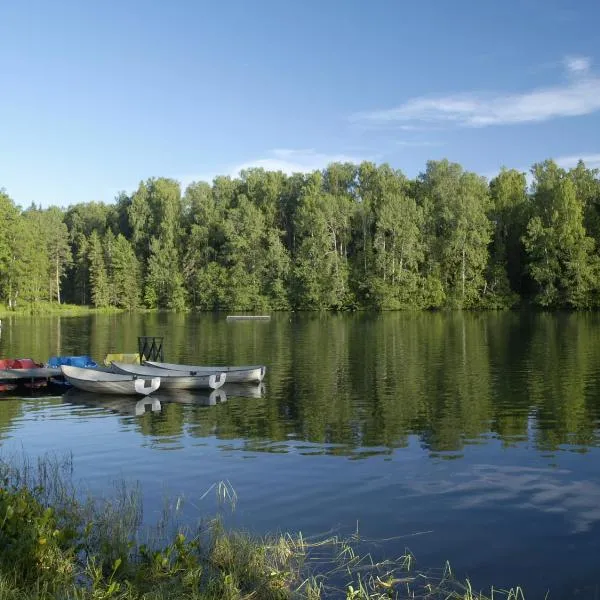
(282, 159)
(592, 161)
(295, 161)
(578, 95)
(577, 64)
(418, 143)
(550, 491)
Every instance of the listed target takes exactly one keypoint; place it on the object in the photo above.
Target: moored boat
(235, 374)
(105, 382)
(173, 380)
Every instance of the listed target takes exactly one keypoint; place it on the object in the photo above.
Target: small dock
(248, 317)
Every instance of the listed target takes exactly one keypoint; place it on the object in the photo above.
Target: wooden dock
(248, 317)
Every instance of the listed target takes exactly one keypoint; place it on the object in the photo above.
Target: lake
(466, 437)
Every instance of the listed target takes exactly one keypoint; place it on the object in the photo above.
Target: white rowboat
(241, 374)
(173, 380)
(103, 382)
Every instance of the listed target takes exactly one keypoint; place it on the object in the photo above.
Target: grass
(54, 545)
(53, 308)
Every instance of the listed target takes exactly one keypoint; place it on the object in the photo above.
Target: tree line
(347, 237)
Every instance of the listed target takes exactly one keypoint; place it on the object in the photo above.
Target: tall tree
(125, 274)
(562, 262)
(58, 248)
(164, 280)
(508, 214)
(396, 279)
(321, 266)
(9, 215)
(99, 285)
(456, 203)
(31, 266)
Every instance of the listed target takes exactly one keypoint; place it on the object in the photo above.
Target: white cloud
(281, 159)
(577, 64)
(535, 489)
(295, 161)
(579, 95)
(592, 161)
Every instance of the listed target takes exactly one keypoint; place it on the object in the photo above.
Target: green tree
(155, 216)
(125, 274)
(562, 262)
(164, 283)
(99, 285)
(58, 248)
(244, 254)
(31, 265)
(79, 288)
(9, 216)
(321, 266)
(398, 244)
(587, 188)
(508, 214)
(203, 241)
(459, 231)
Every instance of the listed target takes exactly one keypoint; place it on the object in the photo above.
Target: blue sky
(96, 96)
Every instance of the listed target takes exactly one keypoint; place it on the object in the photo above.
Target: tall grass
(56, 545)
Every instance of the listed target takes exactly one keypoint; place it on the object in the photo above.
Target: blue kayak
(86, 362)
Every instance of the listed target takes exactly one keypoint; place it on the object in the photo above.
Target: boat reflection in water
(244, 390)
(218, 396)
(123, 405)
(190, 397)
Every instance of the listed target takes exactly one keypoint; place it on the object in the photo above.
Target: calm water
(472, 438)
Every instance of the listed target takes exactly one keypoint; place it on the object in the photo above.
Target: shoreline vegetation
(349, 237)
(54, 544)
(53, 308)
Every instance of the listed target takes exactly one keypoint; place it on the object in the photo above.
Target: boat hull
(242, 374)
(173, 380)
(101, 382)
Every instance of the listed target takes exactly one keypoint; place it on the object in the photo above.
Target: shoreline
(58, 545)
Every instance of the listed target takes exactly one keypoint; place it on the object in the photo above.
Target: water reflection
(365, 383)
(513, 399)
(123, 405)
(192, 398)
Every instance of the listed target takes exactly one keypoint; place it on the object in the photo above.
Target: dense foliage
(351, 236)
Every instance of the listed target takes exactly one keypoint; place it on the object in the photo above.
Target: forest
(348, 237)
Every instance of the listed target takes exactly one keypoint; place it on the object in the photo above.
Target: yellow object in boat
(132, 359)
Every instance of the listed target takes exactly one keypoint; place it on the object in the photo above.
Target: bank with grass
(54, 308)
(57, 545)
